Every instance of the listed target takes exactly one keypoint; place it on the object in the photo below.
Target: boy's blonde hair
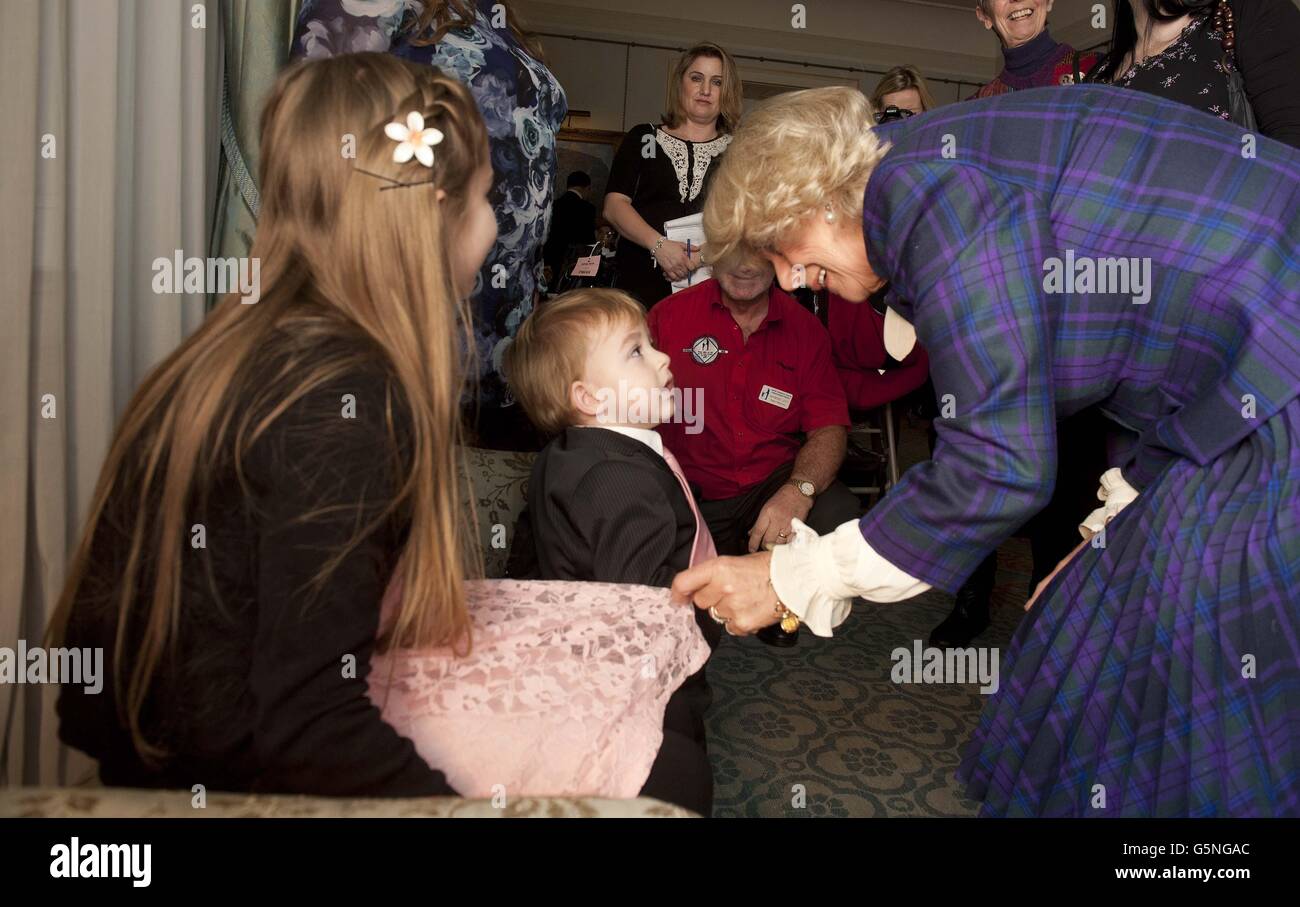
(550, 351)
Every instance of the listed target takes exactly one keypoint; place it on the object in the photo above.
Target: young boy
(606, 501)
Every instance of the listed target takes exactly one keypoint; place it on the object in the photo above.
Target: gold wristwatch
(805, 488)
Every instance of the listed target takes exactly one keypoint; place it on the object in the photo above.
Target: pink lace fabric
(563, 693)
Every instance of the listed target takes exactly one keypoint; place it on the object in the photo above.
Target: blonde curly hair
(790, 158)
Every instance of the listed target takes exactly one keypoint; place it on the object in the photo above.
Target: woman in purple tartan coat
(1054, 250)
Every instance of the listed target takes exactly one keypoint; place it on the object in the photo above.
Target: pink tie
(703, 548)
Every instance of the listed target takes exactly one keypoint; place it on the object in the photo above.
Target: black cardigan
(1268, 53)
(255, 697)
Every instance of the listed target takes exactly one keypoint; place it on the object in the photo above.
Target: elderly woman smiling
(964, 211)
(1032, 58)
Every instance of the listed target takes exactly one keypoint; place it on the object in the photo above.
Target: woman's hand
(773, 524)
(1038, 590)
(737, 587)
(674, 261)
(697, 257)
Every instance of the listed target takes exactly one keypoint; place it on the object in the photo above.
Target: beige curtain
(257, 34)
(108, 150)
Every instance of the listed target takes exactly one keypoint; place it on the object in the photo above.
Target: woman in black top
(268, 476)
(1179, 49)
(661, 173)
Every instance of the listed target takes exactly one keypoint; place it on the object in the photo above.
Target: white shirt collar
(900, 336)
(646, 436)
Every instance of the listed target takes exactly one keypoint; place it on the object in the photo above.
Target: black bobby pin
(397, 184)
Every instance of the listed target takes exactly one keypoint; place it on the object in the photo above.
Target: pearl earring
(830, 215)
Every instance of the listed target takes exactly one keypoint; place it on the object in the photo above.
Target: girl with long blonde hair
(269, 476)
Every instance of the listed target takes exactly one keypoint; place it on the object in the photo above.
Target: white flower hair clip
(413, 140)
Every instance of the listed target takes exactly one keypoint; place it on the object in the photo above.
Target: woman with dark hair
(482, 44)
(661, 173)
(1195, 51)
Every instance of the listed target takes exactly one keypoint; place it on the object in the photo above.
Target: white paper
(681, 229)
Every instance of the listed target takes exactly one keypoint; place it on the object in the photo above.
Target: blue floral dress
(524, 107)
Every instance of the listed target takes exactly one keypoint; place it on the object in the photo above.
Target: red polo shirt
(757, 395)
(858, 345)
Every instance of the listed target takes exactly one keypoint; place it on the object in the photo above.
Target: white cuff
(817, 577)
(1116, 493)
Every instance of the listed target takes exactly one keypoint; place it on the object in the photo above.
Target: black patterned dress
(1190, 71)
(666, 178)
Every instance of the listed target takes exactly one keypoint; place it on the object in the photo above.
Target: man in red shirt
(771, 430)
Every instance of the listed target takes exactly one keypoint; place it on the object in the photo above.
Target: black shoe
(962, 625)
(773, 635)
(970, 615)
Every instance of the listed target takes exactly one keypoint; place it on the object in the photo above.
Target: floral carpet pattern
(825, 715)
(820, 729)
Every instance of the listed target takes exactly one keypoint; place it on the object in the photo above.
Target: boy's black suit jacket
(603, 507)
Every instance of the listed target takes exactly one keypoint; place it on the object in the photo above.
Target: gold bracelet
(789, 620)
(654, 253)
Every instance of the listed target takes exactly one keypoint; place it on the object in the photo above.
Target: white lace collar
(679, 155)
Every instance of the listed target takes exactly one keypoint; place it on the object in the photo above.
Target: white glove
(1116, 495)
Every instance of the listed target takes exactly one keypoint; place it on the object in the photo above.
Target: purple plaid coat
(1037, 175)
(1129, 675)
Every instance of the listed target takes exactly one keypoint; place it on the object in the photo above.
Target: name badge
(776, 397)
(587, 266)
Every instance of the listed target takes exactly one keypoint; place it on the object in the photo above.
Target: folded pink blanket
(563, 693)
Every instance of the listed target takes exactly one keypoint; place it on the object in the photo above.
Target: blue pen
(688, 248)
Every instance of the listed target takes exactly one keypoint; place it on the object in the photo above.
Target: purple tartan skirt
(1160, 675)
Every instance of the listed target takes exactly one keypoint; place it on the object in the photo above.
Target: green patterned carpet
(825, 714)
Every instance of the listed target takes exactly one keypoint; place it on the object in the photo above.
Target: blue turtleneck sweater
(1034, 64)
